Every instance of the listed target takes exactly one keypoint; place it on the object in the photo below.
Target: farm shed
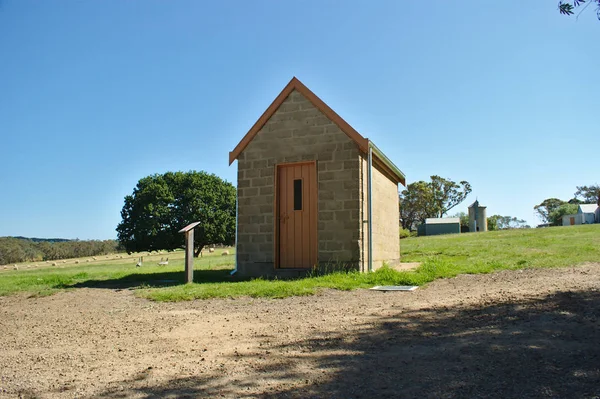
(589, 212)
(586, 214)
(436, 226)
(572, 220)
(312, 191)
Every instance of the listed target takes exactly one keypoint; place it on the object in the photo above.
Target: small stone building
(312, 192)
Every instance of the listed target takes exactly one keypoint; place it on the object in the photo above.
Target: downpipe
(234, 271)
(370, 207)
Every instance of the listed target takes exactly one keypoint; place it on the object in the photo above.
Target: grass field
(441, 256)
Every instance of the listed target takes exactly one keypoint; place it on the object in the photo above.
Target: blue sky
(95, 95)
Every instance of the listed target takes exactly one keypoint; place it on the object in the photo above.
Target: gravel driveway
(527, 333)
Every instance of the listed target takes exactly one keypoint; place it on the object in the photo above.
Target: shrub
(404, 233)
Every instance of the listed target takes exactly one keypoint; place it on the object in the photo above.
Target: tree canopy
(416, 204)
(447, 194)
(463, 217)
(498, 222)
(568, 7)
(422, 200)
(162, 204)
(564, 209)
(546, 207)
(588, 194)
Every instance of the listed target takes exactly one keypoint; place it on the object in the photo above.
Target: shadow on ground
(162, 279)
(543, 347)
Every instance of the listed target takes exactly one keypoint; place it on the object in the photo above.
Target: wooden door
(296, 215)
(572, 220)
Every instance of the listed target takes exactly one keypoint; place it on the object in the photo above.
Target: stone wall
(297, 132)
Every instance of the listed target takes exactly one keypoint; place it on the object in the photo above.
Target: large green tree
(588, 194)
(422, 200)
(162, 204)
(564, 209)
(546, 207)
(447, 194)
(416, 204)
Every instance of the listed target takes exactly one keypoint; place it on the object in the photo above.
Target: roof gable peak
(296, 84)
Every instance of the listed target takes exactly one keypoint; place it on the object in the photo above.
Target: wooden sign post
(189, 251)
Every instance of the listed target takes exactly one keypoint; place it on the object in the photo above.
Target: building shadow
(544, 347)
(161, 279)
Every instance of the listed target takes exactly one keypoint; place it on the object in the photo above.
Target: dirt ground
(529, 333)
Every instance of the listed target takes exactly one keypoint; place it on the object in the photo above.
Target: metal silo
(477, 217)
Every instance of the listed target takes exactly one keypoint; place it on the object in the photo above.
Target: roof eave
(397, 173)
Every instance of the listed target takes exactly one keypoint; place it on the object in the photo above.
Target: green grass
(512, 249)
(115, 273)
(283, 288)
(441, 257)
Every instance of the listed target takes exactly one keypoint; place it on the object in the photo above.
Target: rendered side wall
(298, 132)
(386, 218)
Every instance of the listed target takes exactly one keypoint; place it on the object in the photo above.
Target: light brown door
(572, 220)
(297, 215)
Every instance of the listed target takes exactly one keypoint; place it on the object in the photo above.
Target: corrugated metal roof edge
(387, 161)
(442, 220)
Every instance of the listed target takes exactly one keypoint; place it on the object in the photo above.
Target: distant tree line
(551, 210)
(15, 250)
(35, 239)
(496, 222)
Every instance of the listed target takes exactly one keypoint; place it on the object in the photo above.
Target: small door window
(298, 194)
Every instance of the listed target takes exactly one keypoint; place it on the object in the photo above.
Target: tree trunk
(198, 251)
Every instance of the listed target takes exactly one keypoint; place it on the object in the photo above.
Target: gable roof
(363, 143)
(587, 208)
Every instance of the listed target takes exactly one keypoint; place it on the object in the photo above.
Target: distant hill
(35, 239)
(18, 249)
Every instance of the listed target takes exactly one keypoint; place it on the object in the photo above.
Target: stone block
(258, 238)
(266, 190)
(266, 172)
(261, 181)
(326, 215)
(260, 163)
